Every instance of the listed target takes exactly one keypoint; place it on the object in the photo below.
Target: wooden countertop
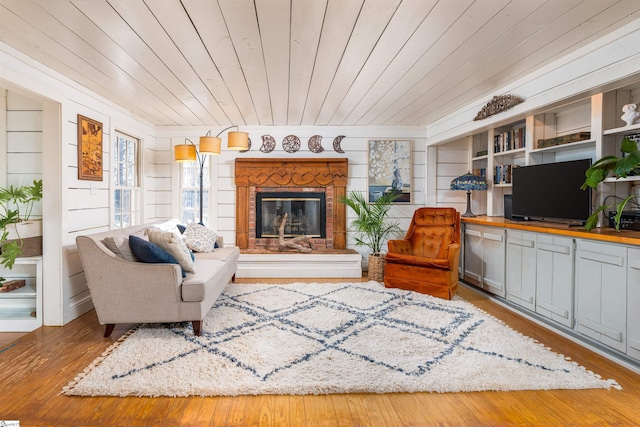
(604, 234)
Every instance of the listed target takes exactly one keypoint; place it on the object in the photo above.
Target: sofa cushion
(195, 286)
(120, 247)
(174, 245)
(200, 238)
(150, 252)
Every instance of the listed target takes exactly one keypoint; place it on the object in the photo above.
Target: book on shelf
(506, 141)
(502, 174)
(481, 172)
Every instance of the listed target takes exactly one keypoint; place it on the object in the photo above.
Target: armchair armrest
(399, 247)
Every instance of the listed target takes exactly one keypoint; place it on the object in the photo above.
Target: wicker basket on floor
(376, 267)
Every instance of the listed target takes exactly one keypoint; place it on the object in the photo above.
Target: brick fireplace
(326, 176)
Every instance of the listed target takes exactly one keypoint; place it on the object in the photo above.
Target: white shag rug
(319, 338)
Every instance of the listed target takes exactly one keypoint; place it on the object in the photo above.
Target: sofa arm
(129, 292)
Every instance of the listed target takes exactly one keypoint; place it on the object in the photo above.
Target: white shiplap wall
(70, 207)
(354, 144)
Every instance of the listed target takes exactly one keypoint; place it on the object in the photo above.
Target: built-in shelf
(485, 157)
(622, 130)
(627, 179)
(589, 143)
(21, 309)
(510, 152)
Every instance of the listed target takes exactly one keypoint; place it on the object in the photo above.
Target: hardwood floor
(34, 368)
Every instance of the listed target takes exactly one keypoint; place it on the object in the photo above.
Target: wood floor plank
(34, 368)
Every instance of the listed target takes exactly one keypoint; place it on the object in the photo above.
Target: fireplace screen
(306, 214)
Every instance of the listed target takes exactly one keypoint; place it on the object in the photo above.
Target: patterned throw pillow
(120, 247)
(174, 245)
(200, 238)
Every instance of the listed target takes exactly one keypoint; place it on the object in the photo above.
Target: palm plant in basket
(373, 226)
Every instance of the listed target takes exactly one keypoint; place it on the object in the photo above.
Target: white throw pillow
(171, 225)
(200, 238)
(174, 245)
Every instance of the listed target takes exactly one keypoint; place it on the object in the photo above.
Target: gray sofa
(137, 292)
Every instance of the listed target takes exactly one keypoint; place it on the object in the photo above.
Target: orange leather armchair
(427, 259)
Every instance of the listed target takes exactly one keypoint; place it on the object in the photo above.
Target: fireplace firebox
(306, 214)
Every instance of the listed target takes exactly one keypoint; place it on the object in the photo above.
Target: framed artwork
(89, 149)
(389, 169)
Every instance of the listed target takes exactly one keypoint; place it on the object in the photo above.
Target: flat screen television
(551, 191)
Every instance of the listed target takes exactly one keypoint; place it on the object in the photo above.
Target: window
(189, 191)
(126, 181)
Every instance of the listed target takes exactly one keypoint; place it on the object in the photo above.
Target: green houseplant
(373, 226)
(618, 167)
(16, 207)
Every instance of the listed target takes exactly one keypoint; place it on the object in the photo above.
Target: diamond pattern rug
(318, 338)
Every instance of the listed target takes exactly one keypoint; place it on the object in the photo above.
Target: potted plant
(373, 226)
(16, 207)
(618, 167)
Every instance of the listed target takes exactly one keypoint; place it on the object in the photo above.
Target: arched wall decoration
(497, 105)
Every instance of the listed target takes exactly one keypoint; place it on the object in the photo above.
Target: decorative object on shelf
(336, 144)
(315, 144)
(291, 143)
(268, 144)
(248, 146)
(469, 182)
(482, 153)
(11, 285)
(389, 169)
(497, 105)
(19, 234)
(209, 145)
(372, 226)
(89, 149)
(566, 139)
(630, 115)
(620, 167)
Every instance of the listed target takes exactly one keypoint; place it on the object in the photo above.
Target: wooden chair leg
(197, 324)
(108, 329)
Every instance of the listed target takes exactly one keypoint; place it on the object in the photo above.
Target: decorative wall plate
(336, 144)
(291, 143)
(315, 144)
(268, 144)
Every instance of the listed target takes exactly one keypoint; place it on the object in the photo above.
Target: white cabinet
(554, 278)
(484, 251)
(633, 303)
(601, 286)
(21, 309)
(521, 268)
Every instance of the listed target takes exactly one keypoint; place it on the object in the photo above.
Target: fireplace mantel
(290, 173)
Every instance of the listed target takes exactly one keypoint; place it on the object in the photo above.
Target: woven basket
(376, 268)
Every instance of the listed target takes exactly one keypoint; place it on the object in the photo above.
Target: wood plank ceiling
(302, 62)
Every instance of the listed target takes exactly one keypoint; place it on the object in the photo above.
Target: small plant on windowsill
(373, 226)
(618, 167)
(16, 207)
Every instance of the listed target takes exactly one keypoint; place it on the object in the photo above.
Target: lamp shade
(238, 140)
(469, 182)
(210, 145)
(184, 153)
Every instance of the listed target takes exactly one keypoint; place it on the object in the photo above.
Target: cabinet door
(493, 257)
(554, 278)
(473, 254)
(601, 284)
(521, 268)
(633, 303)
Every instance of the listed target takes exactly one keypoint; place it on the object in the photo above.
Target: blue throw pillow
(150, 252)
